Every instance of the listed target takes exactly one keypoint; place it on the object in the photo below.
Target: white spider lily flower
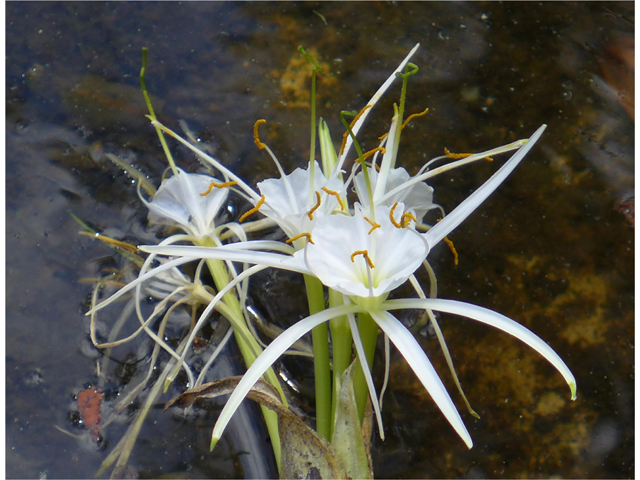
(180, 202)
(364, 255)
(294, 201)
(343, 255)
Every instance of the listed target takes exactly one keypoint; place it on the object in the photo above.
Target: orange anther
(453, 250)
(365, 254)
(256, 139)
(306, 235)
(253, 210)
(117, 243)
(218, 185)
(457, 156)
(393, 220)
(335, 194)
(406, 217)
(374, 225)
(353, 122)
(411, 117)
(371, 152)
(315, 207)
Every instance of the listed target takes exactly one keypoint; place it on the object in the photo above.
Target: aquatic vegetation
(359, 249)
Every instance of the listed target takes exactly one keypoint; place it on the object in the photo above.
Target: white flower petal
(420, 364)
(233, 253)
(417, 197)
(371, 103)
(357, 341)
(473, 201)
(280, 345)
(178, 202)
(289, 199)
(395, 253)
(494, 319)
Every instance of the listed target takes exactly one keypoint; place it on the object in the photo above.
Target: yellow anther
(353, 122)
(371, 152)
(218, 185)
(457, 156)
(315, 207)
(453, 250)
(374, 225)
(393, 220)
(253, 210)
(256, 139)
(412, 116)
(365, 254)
(306, 235)
(406, 217)
(335, 194)
(124, 245)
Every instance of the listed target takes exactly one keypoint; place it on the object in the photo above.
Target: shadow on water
(548, 249)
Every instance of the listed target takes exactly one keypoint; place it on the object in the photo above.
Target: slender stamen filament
(374, 225)
(218, 185)
(256, 139)
(453, 250)
(335, 194)
(306, 235)
(406, 217)
(315, 207)
(412, 116)
(457, 156)
(393, 220)
(353, 122)
(253, 210)
(365, 254)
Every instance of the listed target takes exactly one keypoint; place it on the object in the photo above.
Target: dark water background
(548, 249)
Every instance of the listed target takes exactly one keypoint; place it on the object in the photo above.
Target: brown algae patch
(294, 82)
(549, 404)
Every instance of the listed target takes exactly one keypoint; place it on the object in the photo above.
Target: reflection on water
(548, 249)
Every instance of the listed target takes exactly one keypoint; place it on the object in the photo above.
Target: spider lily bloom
(285, 206)
(365, 257)
(296, 200)
(180, 202)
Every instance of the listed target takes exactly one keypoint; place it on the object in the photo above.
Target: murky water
(548, 249)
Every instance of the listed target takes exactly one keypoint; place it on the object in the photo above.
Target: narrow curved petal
(233, 254)
(473, 201)
(372, 102)
(228, 173)
(357, 341)
(134, 283)
(484, 315)
(420, 364)
(280, 345)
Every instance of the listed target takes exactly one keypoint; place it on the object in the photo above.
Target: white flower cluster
(364, 250)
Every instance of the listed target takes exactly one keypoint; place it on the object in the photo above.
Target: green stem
(368, 329)
(247, 344)
(322, 372)
(341, 341)
(363, 165)
(152, 114)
